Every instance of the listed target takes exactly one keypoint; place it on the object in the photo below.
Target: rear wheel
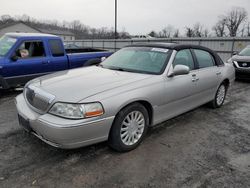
(129, 128)
(219, 96)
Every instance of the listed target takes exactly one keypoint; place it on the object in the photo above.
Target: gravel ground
(202, 148)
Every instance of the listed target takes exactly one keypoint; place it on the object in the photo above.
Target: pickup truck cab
(44, 54)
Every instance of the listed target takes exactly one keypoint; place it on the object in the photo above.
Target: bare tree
(198, 30)
(248, 29)
(6, 19)
(153, 34)
(168, 31)
(189, 32)
(234, 19)
(220, 27)
(176, 33)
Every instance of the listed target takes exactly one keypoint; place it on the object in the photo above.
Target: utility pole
(115, 23)
(115, 19)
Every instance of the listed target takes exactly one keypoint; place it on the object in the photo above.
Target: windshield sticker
(159, 50)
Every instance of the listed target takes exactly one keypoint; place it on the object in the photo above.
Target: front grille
(38, 99)
(244, 64)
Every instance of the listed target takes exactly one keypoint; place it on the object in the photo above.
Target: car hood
(78, 84)
(241, 58)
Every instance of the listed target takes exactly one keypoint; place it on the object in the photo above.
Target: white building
(25, 28)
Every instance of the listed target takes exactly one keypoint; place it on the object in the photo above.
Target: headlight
(77, 111)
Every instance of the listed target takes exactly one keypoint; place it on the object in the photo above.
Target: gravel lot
(202, 148)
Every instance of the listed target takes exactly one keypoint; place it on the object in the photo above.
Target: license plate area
(24, 123)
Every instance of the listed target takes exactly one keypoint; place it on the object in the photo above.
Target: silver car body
(164, 96)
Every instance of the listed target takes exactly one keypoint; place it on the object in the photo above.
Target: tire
(129, 128)
(220, 96)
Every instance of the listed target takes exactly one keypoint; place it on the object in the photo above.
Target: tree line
(231, 24)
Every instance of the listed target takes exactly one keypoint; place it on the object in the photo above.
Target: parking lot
(202, 148)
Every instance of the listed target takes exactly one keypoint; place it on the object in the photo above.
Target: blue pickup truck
(24, 56)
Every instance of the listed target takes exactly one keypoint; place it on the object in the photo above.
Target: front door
(31, 61)
(179, 90)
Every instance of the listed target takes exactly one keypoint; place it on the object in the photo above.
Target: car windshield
(138, 59)
(5, 44)
(245, 52)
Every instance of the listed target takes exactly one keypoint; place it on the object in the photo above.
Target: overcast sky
(136, 16)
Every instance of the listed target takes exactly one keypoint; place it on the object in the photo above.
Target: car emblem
(244, 64)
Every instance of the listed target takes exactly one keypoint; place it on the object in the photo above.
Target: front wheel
(220, 96)
(129, 128)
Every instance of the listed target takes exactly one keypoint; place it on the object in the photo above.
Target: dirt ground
(202, 148)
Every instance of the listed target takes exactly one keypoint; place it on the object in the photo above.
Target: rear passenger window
(184, 57)
(204, 59)
(56, 48)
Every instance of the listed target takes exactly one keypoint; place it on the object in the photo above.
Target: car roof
(19, 35)
(173, 46)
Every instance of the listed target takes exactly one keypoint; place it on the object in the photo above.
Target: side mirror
(14, 58)
(235, 53)
(180, 70)
(103, 58)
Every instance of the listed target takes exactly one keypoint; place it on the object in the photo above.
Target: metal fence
(223, 46)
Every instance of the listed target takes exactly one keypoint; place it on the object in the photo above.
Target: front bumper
(242, 73)
(60, 132)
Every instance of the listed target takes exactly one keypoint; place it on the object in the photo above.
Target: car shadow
(10, 92)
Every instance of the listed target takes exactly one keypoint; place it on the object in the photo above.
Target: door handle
(218, 73)
(194, 78)
(46, 62)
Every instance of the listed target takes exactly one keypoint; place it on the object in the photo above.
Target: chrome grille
(244, 64)
(38, 99)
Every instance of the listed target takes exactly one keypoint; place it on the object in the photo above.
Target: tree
(189, 32)
(220, 27)
(176, 33)
(234, 19)
(167, 32)
(248, 29)
(152, 34)
(6, 19)
(198, 30)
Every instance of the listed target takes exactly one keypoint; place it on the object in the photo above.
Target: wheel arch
(226, 82)
(143, 102)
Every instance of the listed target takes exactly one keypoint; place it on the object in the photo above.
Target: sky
(135, 16)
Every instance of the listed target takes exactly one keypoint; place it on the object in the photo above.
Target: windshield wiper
(117, 69)
(100, 65)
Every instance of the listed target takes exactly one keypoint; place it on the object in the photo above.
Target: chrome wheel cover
(221, 95)
(132, 128)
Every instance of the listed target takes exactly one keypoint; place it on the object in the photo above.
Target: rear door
(58, 57)
(208, 76)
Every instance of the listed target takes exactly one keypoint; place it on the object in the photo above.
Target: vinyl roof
(174, 46)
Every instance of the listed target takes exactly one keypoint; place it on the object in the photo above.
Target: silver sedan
(137, 87)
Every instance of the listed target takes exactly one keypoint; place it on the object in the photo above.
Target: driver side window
(184, 57)
(30, 49)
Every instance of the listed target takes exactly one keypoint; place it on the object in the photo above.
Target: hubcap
(132, 128)
(221, 95)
